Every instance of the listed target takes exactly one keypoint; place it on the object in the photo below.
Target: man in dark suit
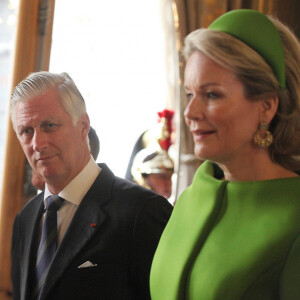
(106, 228)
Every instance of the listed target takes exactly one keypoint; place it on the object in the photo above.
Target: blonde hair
(260, 82)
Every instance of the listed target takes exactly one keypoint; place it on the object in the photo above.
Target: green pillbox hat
(258, 32)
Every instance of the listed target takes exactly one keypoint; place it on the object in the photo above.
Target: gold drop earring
(263, 138)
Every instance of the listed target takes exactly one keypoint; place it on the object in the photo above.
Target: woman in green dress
(235, 232)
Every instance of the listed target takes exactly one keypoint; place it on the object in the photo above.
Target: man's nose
(39, 141)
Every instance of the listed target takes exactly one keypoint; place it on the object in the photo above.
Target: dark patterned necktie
(48, 241)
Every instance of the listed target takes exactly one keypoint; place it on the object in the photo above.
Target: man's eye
(25, 134)
(26, 131)
(50, 126)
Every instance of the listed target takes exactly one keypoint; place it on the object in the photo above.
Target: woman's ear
(269, 108)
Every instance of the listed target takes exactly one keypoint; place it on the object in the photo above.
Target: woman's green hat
(258, 32)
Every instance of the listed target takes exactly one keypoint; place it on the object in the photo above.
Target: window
(115, 52)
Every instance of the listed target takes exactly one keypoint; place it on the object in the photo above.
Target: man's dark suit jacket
(117, 226)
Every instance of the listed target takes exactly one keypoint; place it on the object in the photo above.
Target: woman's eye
(189, 96)
(212, 95)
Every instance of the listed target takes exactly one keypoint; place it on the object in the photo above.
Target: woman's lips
(201, 134)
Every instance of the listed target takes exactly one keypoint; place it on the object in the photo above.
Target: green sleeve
(290, 279)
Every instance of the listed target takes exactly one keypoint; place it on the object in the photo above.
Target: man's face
(160, 183)
(37, 181)
(55, 148)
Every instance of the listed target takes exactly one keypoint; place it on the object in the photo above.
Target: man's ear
(269, 108)
(85, 125)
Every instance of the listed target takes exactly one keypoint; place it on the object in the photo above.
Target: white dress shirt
(73, 194)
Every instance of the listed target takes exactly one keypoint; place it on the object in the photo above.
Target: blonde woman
(235, 232)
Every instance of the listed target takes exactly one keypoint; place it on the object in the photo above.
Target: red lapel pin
(92, 225)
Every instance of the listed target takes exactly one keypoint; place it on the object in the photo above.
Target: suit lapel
(88, 219)
(32, 225)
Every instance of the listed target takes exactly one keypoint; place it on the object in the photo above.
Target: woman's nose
(194, 109)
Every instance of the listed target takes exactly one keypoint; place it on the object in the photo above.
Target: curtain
(32, 51)
(191, 15)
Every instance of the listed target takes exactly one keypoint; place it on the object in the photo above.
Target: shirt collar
(79, 186)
